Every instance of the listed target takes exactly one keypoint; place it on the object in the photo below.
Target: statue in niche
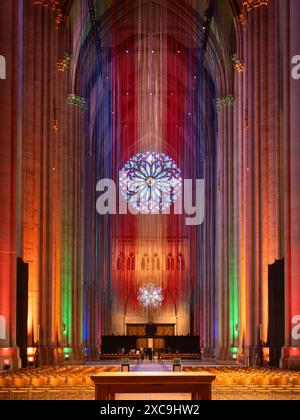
(2, 67)
(131, 262)
(2, 328)
(155, 263)
(121, 262)
(180, 262)
(145, 265)
(171, 262)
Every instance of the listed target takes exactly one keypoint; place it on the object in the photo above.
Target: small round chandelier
(150, 296)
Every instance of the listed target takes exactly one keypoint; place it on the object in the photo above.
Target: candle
(38, 334)
(260, 332)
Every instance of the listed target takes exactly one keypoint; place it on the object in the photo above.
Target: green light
(67, 292)
(234, 299)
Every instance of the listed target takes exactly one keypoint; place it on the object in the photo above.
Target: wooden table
(196, 383)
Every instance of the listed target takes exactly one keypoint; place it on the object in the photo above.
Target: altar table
(108, 384)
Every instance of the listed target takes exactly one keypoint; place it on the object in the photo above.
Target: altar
(198, 384)
(159, 343)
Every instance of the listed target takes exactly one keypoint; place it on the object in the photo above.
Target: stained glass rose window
(151, 182)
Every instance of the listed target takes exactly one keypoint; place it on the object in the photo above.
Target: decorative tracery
(152, 262)
(151, 182)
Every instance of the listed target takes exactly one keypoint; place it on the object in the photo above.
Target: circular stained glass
(151, 182)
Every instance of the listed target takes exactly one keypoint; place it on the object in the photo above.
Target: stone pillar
(9, 87)
(225, 285)
(290, 12)
(260, 172)
(52, 188)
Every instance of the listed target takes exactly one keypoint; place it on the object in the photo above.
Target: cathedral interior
(149, 195)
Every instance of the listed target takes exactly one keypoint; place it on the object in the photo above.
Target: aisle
(151, 367)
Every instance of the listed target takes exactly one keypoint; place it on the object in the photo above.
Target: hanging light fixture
(150, 296)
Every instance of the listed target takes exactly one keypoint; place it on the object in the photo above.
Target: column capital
(59, 8)
(248, 6)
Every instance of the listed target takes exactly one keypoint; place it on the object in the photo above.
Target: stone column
(225, 238)
(52, 189)
(260, 217)
(290, 37)
(255, 142)
(9, 86)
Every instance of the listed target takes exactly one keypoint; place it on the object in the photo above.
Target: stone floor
(151, 367)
